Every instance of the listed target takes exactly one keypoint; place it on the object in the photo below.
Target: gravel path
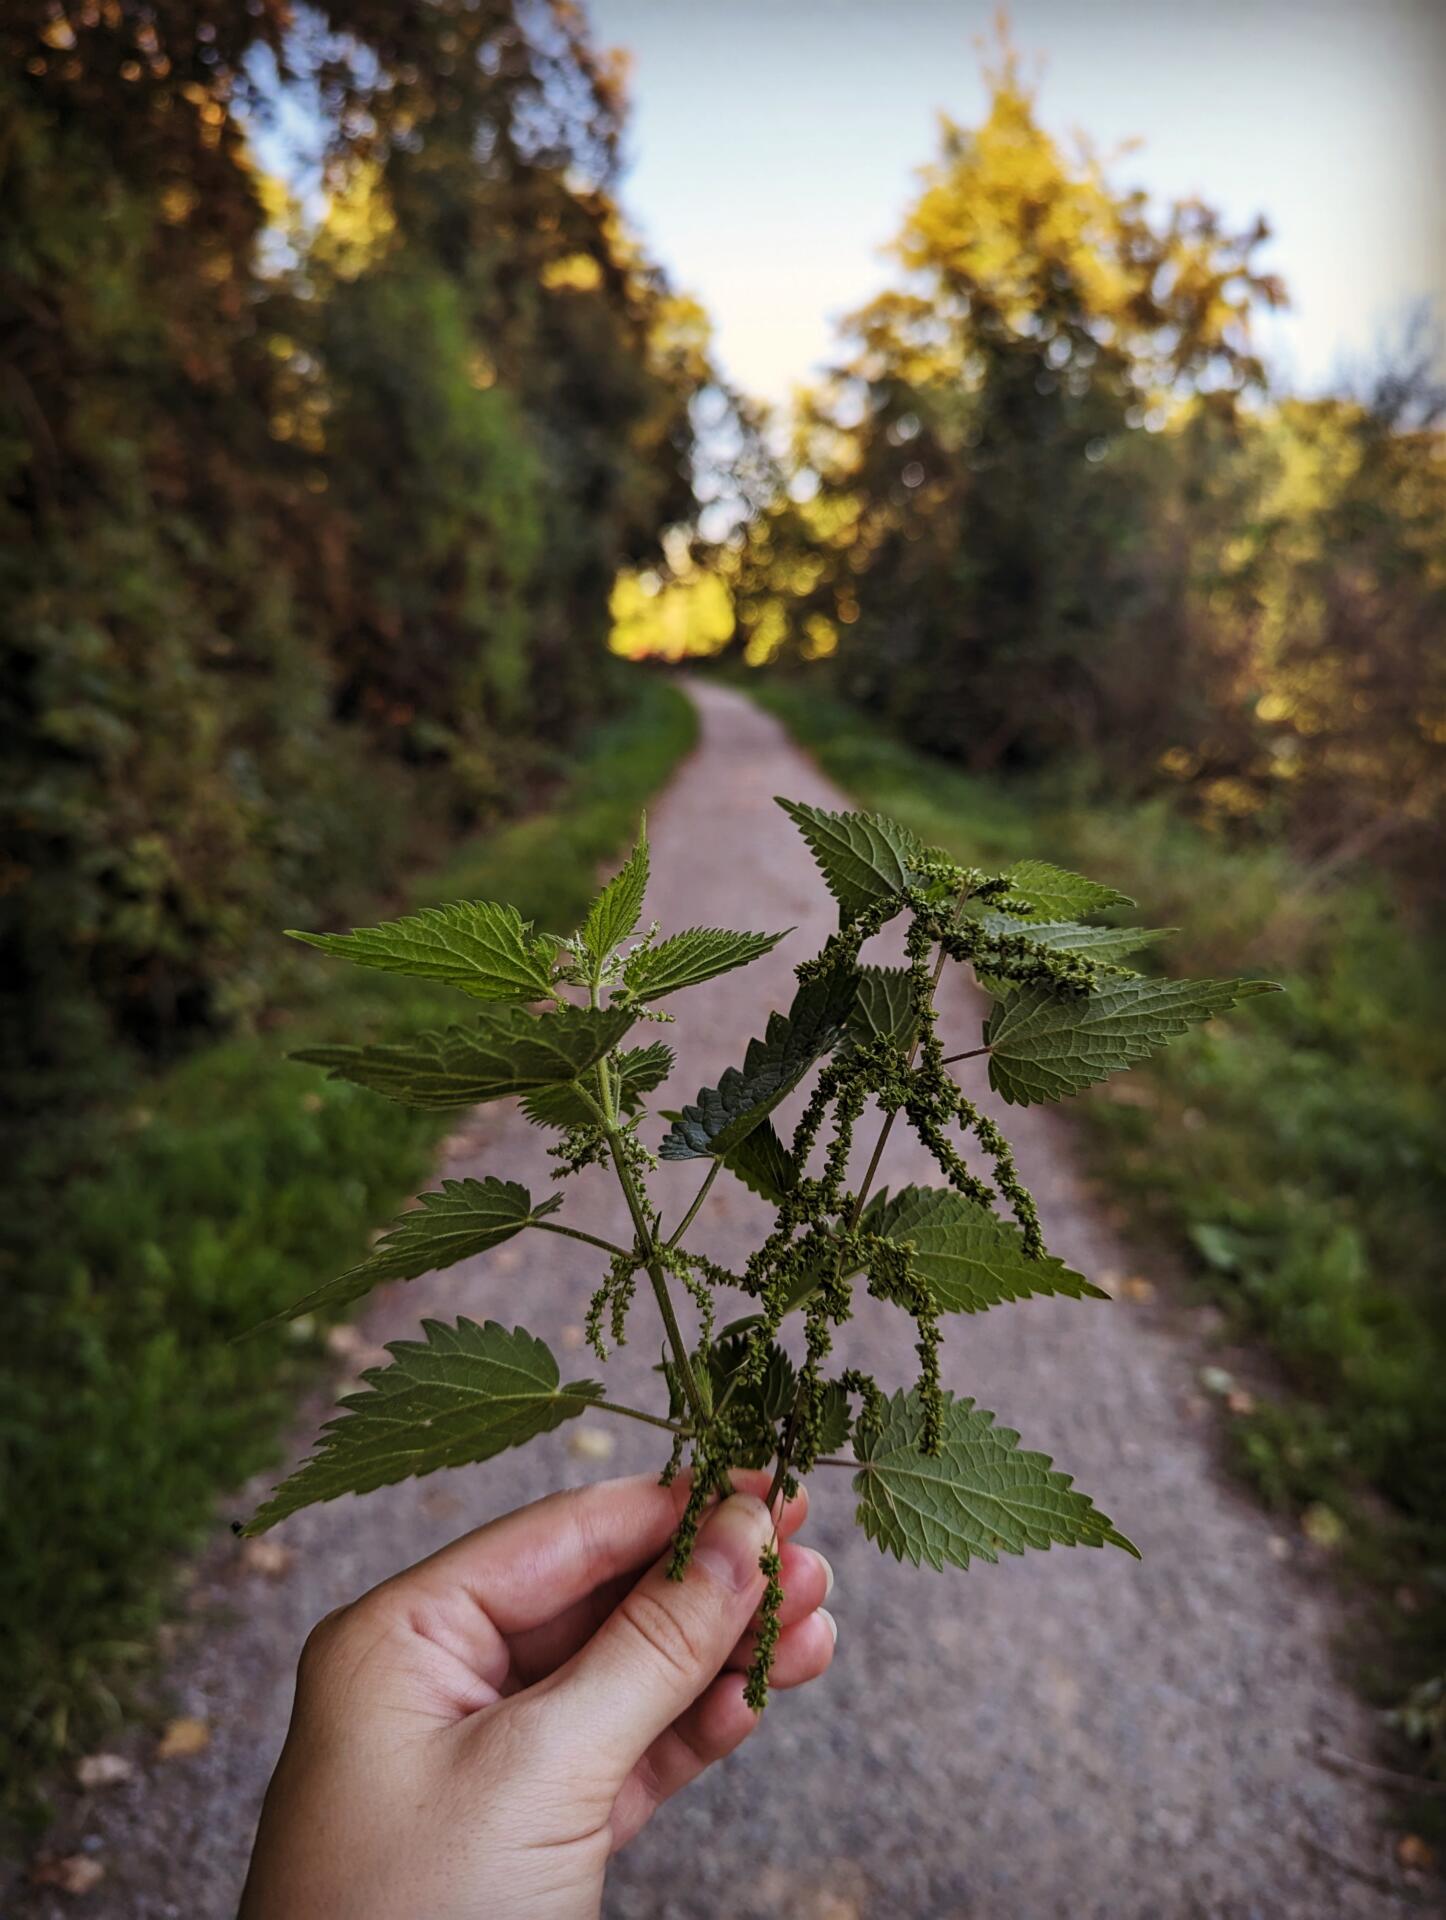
(1065, 1734)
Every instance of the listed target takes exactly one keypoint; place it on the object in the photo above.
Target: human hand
(479, 1734)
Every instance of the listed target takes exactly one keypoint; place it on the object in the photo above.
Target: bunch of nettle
(936, 1479)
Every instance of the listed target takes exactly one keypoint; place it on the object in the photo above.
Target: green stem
(636, 1413)
(973, 1053)
(698, 1198)
(649, 1247)
(576, 1233)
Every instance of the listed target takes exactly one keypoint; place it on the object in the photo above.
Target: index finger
(531, 1565)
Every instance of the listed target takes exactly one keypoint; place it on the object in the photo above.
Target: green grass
(226, 1189)
(1291, 1155)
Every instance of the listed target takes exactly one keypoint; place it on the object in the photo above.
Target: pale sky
(772, 145)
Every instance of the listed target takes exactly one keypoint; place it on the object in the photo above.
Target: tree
(970, 482)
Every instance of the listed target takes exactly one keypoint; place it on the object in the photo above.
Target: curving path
(1068, 1734)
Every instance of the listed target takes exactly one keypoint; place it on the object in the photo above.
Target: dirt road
(1070, 1734)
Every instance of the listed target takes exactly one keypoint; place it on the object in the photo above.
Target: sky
(772, 146)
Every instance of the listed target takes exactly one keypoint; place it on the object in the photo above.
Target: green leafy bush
(1293, 1159)
(203, 1202)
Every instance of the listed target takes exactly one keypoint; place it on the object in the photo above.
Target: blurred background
(1043, 417)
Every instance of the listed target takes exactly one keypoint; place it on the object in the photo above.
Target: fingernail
(827, 1571)
(729, 1545)
(824, 1614)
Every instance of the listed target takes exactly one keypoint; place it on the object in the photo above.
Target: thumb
(666, 1641)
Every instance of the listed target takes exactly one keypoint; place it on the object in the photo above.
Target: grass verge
(1293, 1156)
(220, 1193)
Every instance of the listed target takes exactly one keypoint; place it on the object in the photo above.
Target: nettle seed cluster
(936, 1480)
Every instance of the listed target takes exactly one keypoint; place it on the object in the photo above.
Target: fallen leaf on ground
(1414, 1854)
(104, 1770)
(1137, 1287)
(590, 1443)
(182, 1738)
(267, 1557)
(71, 1872)
(1240, 1400)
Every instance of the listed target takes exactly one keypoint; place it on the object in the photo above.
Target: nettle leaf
(615, 912)
(507, 1051)
(687, 959)
(1110, 944)
(969, 1259)
(864, 857)
(638, 1071)
(723, 1116)
(978, 1496)
(838, 1420)
(767, 1400)
(884, 1009)
(1057, 894)
(466, 1217)
(458, 1395)
(1046, 1045)
(764, 1164)
(487, 950)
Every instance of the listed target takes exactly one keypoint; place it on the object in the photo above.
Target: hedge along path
(1028, 1739)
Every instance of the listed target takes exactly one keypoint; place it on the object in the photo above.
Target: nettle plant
(936, 1479)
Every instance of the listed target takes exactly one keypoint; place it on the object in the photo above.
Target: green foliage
(975, 1496)
(484, 949)
(763, 1163)
(458, 1395)
(1042, 510)
(863, 858)
(937, 1481)
(690, 958)
(308, 530)
(723, 1116)
(507, 1051)
(195, 1205)
(466, 1218)
(1111, 944)
(968, 1259)
(1055, 894)
(883, 1008)
(635, 1071)
(1042, 1047)
(1291, 1160)
(614, 914)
